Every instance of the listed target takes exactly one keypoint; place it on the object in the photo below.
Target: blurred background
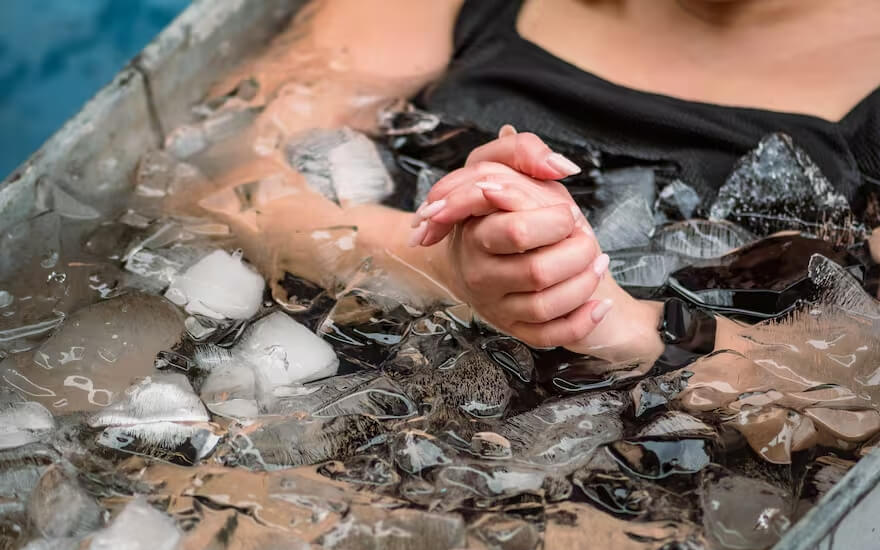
(56, 54)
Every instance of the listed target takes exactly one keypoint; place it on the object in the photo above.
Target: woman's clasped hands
(521, 251)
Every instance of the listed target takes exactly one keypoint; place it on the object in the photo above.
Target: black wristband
(688, 333)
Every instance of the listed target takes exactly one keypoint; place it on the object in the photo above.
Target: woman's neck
(814, 57)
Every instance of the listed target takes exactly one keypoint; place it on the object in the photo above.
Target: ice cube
(22, 423)
(138, 527)
(677, 201)
(219, 286)
(341, 164)
(162, 397)
(625, 224)
(230, 391)
(701, 238)
(642, 269)
(60, 507)
(307, 356)
(777, 187)
(184, 444)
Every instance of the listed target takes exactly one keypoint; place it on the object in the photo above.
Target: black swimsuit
(498, 77)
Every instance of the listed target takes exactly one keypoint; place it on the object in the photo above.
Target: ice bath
(225, 354)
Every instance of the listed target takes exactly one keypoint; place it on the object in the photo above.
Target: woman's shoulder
(391, 37)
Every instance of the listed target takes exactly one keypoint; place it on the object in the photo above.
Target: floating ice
(370, 527)
(300, 355)
(415, 451)
(777, 187)
(341, 164)
(641, 269)
(138, 527)
(230, 391)
(676, 201)
(380, 398)
(162, 397)
(218, 286)
(564, 434)
(702, 238)
(277, 442)
(625, 224)
(23, 423)
(183, 444)
(60, 507)
(97, 353)
(425, 180)
(740, 512)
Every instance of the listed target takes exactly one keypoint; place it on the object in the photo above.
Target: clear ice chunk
(701, 239)
(778, 187)
(162, 397)
(22, 423)
(564, 434)
(642, 269)
(625, 224)
(230, 391)
(381, 398)
(275, 442)
(219, 286)
(97, 353)
(306, 356)
(425, 180)
(341, 164)
(183, 444)
(138, 527)
(59, 506)
(741, 512)
(676, 201)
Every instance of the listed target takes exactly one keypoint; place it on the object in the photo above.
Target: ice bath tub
(95, 153)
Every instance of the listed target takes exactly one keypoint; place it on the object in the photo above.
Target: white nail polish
(433, 208)
(601, 310)
(418, 234)
(562, 164)
(489, 186)
(600, 264)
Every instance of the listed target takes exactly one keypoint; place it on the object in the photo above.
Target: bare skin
(753, 53)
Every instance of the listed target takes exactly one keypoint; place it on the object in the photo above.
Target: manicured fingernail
(562, 164)
(418, 234)
(506, 130)
(421, 207)
(416, 221)
(433, 208)
(600, 264)
(489, 185)
(576, 213)
(601, 310)
(588, 230)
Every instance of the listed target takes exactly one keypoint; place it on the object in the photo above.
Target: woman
(692, 83)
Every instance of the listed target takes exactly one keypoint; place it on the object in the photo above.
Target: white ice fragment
(138, 527)
(342, 164)
(158, 398)
(307, 356)
(186, 141)
(23, 423)
(219, 286)
(6, 299)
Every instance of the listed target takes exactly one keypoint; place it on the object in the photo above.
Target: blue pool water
(54, 56)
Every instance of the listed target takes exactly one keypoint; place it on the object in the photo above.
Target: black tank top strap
(480, 21)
